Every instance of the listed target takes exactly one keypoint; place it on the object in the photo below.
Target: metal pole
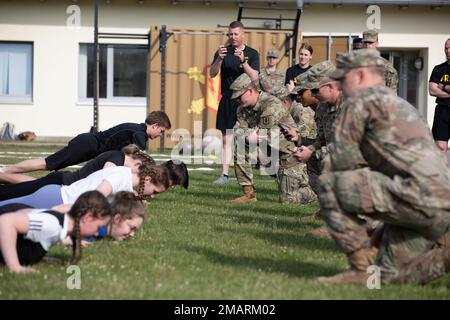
(350, 42)
(329, 44)
(162, 48)
(94, 128)
(239, 17)
(147, 72)
(295, 35)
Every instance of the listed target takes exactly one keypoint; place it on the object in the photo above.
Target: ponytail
(93, 202)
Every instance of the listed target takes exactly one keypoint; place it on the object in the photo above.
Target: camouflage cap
(325, 81)
(281, 92)
(241, 84)
(370, 36)
(339, 55)
(301, 81)
(273, 53)
(315, 75)
(356, 59)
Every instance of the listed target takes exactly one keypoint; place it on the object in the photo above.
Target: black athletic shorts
(441, 123)
(82, 148)
(226, 114)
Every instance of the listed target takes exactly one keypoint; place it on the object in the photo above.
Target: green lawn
(195, 245)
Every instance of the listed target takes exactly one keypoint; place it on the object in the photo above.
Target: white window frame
(26, 99)
(110, 99)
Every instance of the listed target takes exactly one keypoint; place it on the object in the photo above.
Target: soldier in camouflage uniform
(326, 112)
(270, 76)
(383, 164)
(327, 91)
(304, 88)
(370, 39)
(303, 116)
(259, 112)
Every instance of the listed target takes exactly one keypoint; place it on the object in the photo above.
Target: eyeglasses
(314, 91)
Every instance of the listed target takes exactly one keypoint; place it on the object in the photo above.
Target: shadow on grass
(281, 238)
(272, 208)
(264, 221)
(289, 267)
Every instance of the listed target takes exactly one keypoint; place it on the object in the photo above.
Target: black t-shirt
(122, 135)
(114, 156)
(293, 72)
(232, 68)
(441, 74)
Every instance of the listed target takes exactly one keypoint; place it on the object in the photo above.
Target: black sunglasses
(315, 91)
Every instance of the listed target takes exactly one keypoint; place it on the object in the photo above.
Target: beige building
(46, 52)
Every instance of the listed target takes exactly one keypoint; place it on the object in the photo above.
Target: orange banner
(212, 90)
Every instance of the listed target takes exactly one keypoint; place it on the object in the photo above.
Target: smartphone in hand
(285, 130)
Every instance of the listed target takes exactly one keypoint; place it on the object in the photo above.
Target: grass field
(195, 245)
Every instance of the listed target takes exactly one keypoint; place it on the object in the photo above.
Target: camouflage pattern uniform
(390, 74)
(384, 164)
(311, 80)
(268, 114)
(268, 80)
(325, 117)
(304, 118)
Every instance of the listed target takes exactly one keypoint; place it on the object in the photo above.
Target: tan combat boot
(359, 261)
(321, 232)
(444, 243)
(248, 197)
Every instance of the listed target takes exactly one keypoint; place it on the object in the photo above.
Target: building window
(122, 74)
(16, 72)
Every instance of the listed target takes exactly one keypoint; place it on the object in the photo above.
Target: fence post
(162, 47)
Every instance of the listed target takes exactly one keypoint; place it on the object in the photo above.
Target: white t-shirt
(120, 179)
(44, 228)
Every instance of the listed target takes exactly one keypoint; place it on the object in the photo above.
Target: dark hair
(178, 173)
(357, 43)
(90, 201)
(236, 24)
(306, 47)
(159, 175)
(128, 206)
(160, 118)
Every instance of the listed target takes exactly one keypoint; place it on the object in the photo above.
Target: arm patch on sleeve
(267, 122)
